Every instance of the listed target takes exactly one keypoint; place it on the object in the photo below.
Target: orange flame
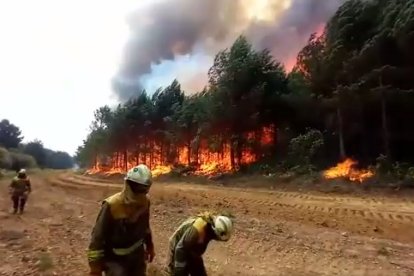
(207, 162)
(346, 169)
(160, 170)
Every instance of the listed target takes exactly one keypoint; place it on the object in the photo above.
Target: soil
(277, 232)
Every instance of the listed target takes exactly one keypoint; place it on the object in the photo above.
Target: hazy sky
(57, 57)
(56, 61)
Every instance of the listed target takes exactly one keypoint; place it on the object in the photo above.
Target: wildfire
(159, 170)
(206, 161)
(92, 171)
(347, 170)
(210, 169)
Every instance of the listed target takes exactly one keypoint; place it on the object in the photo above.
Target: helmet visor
(137, 188)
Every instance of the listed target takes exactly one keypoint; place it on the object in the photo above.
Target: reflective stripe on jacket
(119, 229)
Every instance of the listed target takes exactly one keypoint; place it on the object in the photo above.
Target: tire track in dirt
(353, 207)
(289, 205)
(250, 252)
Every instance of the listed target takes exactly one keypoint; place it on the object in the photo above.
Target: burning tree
(345, 84)
(218, 129)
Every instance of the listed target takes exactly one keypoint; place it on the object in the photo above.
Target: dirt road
(277, 233)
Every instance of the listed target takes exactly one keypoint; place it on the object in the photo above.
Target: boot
(14, 211)
(21, 211)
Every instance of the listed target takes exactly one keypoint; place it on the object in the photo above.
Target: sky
(56, 61)
(58, 57)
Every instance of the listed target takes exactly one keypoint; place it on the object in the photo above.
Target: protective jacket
(188, 244)
(120, 233)
(20, 186)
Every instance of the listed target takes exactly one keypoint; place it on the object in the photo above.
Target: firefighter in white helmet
(121, 242)
(19, 189)
(190, 241)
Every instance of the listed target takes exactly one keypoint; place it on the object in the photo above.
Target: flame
(160, 170)
(347, 170)
(206, 161)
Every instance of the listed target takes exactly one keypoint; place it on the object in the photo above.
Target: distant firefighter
(190, 241)
(19, 189)
(121, 242)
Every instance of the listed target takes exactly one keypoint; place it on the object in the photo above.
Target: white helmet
(223, 227)
(22, 171)
(140, 174)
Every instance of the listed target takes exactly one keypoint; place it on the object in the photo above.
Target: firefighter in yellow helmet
(121, 242)
(19, 189)
(190, 241)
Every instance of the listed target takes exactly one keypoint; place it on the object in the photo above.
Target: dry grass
(45, 262)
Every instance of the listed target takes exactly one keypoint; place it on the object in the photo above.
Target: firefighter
(121, 241)
(19, 189)
(190, 241)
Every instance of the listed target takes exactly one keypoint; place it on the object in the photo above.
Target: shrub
(21, 160)
(5, 159)
(303, 149)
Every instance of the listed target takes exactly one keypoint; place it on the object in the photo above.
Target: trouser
(195, 267)
(19, 201)
(132, 265)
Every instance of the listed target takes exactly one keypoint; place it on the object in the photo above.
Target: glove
(149, 254)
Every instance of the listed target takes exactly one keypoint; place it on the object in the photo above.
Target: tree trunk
(95, 161)
(232, 155)
(385, 131)
(145, 151)
(239, 151)
(342, 152)
(137, 158)
(151, 147)
(222, 149)
(365, 140)
(162, 154)
(125, 160)
(189, 154)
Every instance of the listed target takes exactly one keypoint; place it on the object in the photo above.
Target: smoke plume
(166, 29)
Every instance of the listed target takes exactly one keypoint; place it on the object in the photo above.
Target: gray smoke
(165, 29)
(287, 36)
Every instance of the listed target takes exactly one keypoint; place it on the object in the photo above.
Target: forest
(350, 94)
(16, 155)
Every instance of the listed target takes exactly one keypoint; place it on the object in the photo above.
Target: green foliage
(5, 159)
(58, 160)
(14, 160)
(303, 149)
(10, 135)
(360, 73)
(410, 173)
(36, 149)
(354, 83)
(21, 160)
(16, 155)
(245, 86)
(383, 165)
